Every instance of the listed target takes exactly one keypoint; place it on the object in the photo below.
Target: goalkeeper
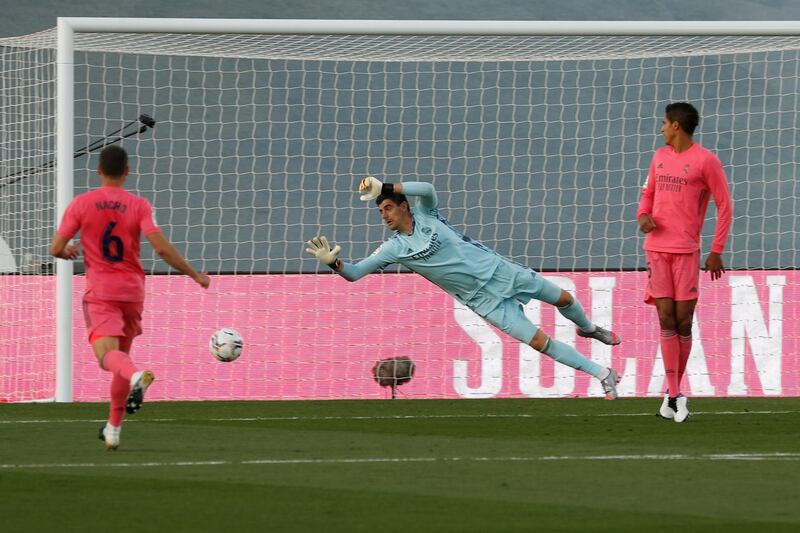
(490, 285)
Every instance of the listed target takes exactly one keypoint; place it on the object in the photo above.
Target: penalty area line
(776, 456)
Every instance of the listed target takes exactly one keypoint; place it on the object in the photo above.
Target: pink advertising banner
(318, 337)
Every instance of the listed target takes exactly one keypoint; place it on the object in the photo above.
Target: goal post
(536, 133)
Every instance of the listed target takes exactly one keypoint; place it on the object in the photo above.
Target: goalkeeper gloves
(319, 248)
(372, 188)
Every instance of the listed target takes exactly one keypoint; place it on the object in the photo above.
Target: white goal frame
(67, 27)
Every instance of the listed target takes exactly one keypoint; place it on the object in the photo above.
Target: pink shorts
(113, 319)
(675, 276)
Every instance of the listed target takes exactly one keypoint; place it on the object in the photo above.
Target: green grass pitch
(404, 465)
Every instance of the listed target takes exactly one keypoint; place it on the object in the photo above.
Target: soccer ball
(226, 345)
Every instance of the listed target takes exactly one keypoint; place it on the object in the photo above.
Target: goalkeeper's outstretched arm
(321, 249)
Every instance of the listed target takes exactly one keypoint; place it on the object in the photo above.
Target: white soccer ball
(226, 345)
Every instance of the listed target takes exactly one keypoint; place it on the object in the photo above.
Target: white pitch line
(391, 417)
(777, 456)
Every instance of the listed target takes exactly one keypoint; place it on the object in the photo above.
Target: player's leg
(684, 314)
(571, 308)
(660, 291)
(119, 363)
(510, 318)
(110, 357)
(670, 347)
(105, 322)
(121, 387)
(141, 379)
(104, 348)
(567, 355)
(686, 272)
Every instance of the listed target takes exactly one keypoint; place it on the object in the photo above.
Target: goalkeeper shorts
(500, 301)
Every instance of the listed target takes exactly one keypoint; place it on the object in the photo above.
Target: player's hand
(370, 188)
(319, 248)
(714, 266)
(646, 223)
(71, 252)
(203, 280)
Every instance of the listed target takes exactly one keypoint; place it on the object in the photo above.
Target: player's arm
(644, 215)
(171, 256)
(321, 249)
(371, 188)
(62, 249)
(718, 184)
(70, 224)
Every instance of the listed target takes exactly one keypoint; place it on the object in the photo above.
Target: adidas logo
(693, 289)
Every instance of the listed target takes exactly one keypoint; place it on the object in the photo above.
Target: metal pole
(64, 193)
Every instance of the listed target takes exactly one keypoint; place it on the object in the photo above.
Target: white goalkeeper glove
(371, 188)
(319, 248)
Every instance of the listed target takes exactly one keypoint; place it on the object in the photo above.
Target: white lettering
(491, 356)
(766, 344)
(602, 315)
(530, 382)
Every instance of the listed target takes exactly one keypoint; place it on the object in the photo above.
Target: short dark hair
(396, 197)
(113, 160)
(684, 114)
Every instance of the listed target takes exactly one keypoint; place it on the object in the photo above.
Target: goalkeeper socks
(685, 344)
(119, 363)
(575, 313)
(120, 388)
(567, 355)
(670, 351)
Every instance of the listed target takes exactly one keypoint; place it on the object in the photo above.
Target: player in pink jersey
(671, 212)
(111, 221)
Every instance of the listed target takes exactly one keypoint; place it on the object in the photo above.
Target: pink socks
(122, 368)
(685, 349)
(670, 351)
(119, 364)
(120, 387)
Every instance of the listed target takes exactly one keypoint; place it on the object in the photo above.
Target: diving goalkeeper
(489, 284)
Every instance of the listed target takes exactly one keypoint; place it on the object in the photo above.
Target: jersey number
(108, 240)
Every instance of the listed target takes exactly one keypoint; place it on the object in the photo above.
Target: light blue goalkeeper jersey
(435, 250)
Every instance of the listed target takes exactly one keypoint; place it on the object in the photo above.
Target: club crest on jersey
(685, 169)
(426, 230)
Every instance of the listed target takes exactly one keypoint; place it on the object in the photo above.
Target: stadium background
(556, 206)
(495, 465)
(524, 228)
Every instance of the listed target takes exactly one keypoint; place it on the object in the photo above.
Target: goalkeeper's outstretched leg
(567, 355)
(510, 318)
(571, 308)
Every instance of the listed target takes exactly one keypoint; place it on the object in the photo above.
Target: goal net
(537, 144)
